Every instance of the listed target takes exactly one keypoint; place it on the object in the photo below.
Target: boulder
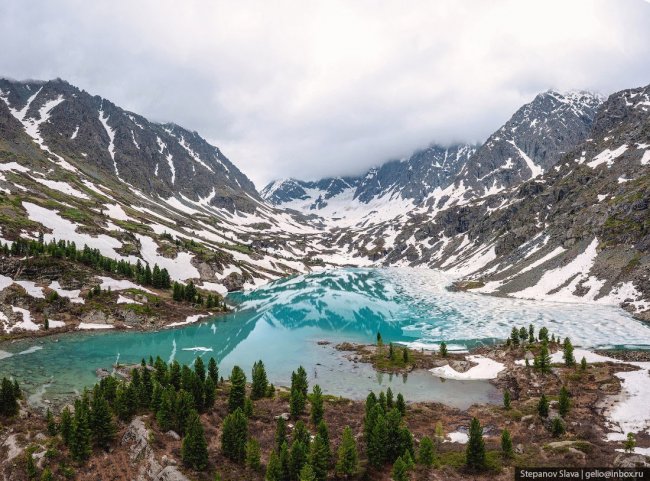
(234, 282)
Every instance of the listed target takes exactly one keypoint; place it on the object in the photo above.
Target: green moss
(76, 215)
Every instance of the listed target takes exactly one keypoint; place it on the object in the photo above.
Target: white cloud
(309, 88)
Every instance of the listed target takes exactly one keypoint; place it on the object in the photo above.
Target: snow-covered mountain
(76, 167)
(530, 143)
(380, 194)
(553, 205)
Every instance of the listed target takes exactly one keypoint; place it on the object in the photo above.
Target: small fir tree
(237, 395)
(564, 403)
(506, 444)
(506, 399)
(273, 468)
(542, 406)
(400, 470)
(400, 404)
(558, 428)
(260, 381)
(567, 355)
(253, 455)
(213, 371)
(280, 433)
(348, 458)
(316, 405)
(194, 448)
(234, 436)
(475, 453)
(426, 454)
(298, 455)
(307, 473)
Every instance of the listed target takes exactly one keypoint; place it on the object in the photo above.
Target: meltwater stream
(283, 322)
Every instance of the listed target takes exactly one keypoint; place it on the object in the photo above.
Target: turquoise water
(283, 322)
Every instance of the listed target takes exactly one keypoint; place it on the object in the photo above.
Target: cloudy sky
(309, 89)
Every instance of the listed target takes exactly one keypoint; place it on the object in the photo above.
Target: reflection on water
(281, 323)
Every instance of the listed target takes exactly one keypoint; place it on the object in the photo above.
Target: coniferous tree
(51, 423)
(80, 442)
(183, 407)
(542, 406)
(253, 455)
(260, 381)
(199, 369)
(543, 334)
(296, 403)
(475, 454)
(165, 416)
(66, 426)
(299, 381)
(9, 396)
(514, 336)
(564, 403)
(506, 399)
(248, 407)
(382, 401)
(316, 405)
(405, 355)
(400, 470)
(285, 462)
(47, 475)
(567, 355)
(319, 457)
(506, 444)
(543, 359)
(210, 394)
(280, 433)
(400, 404)
(630, 443)
(368, 420)
(234, 436)
(307, 473)
(101, 422)
(377, 438)
(426, 455)
(298, 455)
(301, 433)
(389, 399)
(324, 434)
(175, 375)
(213, 371)
(194, 448)
(348, 458)
(380, 341)
(443, 349)
(237, 395)
(273, 468)
(531, 334)
(583, 364)
(523, 334)
(558, 428)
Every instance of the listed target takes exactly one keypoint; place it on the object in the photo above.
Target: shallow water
(281, 323)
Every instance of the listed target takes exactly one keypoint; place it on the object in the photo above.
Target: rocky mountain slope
(75, 167)
(530, 143)
(578, 232)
